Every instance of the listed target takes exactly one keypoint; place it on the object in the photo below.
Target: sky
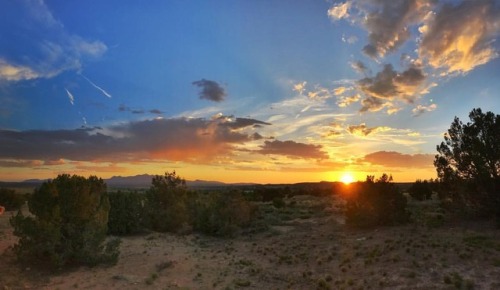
(240, 91)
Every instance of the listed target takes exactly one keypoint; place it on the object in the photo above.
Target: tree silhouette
(469, 158)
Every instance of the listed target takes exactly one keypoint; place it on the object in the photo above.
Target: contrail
(97, 87)
(71, 97)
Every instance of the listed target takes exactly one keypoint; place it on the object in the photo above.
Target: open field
(304, 245)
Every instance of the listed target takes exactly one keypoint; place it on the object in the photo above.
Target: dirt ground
(306, 246)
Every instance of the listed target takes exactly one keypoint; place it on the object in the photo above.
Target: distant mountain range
(144, 181)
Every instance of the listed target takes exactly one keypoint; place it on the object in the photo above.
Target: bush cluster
(126, 214)
(220, 214)
(171, 207)
(68, 224)
(71, 216)
(375, 203)
(10, 199)
(420, 190)
(166, 203)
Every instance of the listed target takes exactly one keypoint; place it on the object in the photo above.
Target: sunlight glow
(347, 178)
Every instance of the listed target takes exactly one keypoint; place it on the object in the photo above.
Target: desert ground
(304, 245)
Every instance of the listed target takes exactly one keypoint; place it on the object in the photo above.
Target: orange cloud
(180, 139)
(363, 130)
(292, 149)
(396, 159)
(459, 37)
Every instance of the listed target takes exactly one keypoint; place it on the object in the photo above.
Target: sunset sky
(240, 91)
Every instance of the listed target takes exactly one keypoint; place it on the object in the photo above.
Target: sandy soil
(306, 247)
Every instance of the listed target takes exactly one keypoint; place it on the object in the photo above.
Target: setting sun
(347, 178)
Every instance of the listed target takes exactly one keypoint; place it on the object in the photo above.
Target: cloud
(351, 39)
(388, 22)
(11, 72)
(97, 87)
(123, 108)
(156, 112)
(319, 93)
(292, 149)
(340, 90)
(182, 139)
(372, 104)
(210, 90)
(339, 11)
(389, 25)
(420, 109)
(396, 159)
(20, 163)
(71, 97)
(346, 101)
(363, 130)
(360, 67)
(446, 37)
(390, 84)
(47, 48)
(299, 87)
(459, 37)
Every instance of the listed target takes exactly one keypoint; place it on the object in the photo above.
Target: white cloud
(420, 109)
(49, 48)
(71, 97)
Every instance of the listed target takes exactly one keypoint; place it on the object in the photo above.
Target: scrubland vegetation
(438, 234)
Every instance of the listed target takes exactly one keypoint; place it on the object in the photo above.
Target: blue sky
(254, 91)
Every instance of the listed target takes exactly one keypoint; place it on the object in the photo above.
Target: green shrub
(10, 199)
(220, 214)
(166, 203)
(69, 224)
(374, 203)
(126, 215)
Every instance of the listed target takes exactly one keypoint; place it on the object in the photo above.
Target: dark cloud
(371, 104)
(239, 123)
(389, 84)
(360, 67)
(396, 159)
(123, 108)
(156, 112)
(388, 23)
(292, 149)
(210, 90)
(184, 139)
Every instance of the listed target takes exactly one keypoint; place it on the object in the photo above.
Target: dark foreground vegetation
(74, 220)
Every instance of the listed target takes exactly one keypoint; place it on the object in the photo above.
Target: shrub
(69, 224)
(166, 203)
(373, 203)
(420, 190)
(126, 215)
(278, 202)
(10, 199)
(220, 214)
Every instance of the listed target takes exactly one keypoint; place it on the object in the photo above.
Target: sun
(347, 178)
